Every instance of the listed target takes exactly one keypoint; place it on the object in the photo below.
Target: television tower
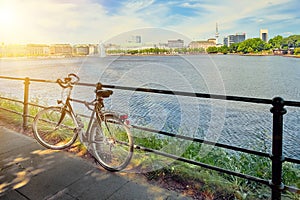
(217, 33)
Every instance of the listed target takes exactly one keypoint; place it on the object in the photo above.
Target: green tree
(212, 49)
(133, 52)
(276, 42)
(223, 49)
(292, 41)
(297, 51)
(233, 48)
(252, 45)
(196, 50)
(250, 50)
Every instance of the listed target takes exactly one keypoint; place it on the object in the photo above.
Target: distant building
(13, 50)
(17, 50)
(85, 49)
(162, 45)
(93, 49)
(217, 33)
(81, 49)
(111, 46)
(38, 50)
(135, 39)
(232, 39)
(176, 43)
(138, 39)
(264, 34)
(203, 44)
(213, 40)
(61, 50)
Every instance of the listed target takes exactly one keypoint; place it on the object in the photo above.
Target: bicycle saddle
(104, 93)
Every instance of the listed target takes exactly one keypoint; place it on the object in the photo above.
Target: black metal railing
(278, 110)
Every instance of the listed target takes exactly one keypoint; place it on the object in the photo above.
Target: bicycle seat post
(98, 86)
(99, 99)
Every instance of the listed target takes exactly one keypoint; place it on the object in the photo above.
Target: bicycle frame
(66, 106)
(97, 110)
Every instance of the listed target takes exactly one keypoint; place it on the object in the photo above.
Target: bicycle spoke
(112, 143)
(53, 129)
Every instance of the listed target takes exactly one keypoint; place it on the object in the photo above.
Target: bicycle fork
(62, 116)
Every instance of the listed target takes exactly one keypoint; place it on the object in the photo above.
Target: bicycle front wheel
(55, 128)
(111, 142)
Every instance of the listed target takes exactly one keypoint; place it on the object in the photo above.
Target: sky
(95, 21)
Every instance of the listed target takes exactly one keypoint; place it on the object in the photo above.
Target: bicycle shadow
(17, 170)
(29, 171)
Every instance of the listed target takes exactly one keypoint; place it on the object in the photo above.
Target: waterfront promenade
(29, 171)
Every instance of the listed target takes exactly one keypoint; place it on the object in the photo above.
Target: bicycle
(107, 137)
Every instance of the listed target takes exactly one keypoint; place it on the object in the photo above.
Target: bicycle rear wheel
(54, 128)
(111, 142)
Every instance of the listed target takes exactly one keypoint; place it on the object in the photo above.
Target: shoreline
(145, 55)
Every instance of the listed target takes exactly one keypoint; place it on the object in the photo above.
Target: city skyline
(93, 21)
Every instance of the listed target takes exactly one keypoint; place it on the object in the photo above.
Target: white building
(264, 34)
(175, 43)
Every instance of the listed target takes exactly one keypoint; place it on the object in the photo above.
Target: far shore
(76, 56)
(233, 54)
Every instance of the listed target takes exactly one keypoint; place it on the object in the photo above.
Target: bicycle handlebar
(67, 82)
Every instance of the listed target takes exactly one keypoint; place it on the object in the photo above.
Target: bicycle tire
(48, 134)
(111, 142)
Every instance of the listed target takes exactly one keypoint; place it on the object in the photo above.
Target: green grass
(208, 182)
(13, 120)
(221, 184)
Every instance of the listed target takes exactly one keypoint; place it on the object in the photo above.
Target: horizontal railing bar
(292, 160)
(177, 93)
(202, 95)
(292, 189)
(15, 112)
(37, 105)
(203, 141)
(12, 111)
(31, 79)
(12, 78)
(9, 99)
(292, 103)
(21, 102)
(43, 81)
(193, 94)
(23, 79)
(86, 84)
(259, 180)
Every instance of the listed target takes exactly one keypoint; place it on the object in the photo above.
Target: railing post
(278, 111)
(25, 107)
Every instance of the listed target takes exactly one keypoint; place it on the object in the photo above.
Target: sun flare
(11, 22)
(7, 16)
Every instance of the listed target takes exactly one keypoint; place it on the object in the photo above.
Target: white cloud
(227, 15)
(189, 5)
(135, 5)
(86, 21)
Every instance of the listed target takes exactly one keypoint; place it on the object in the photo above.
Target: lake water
(240, 124)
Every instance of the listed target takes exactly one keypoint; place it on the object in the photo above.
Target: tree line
(249, 46)
(257, 45)
(156, 50)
